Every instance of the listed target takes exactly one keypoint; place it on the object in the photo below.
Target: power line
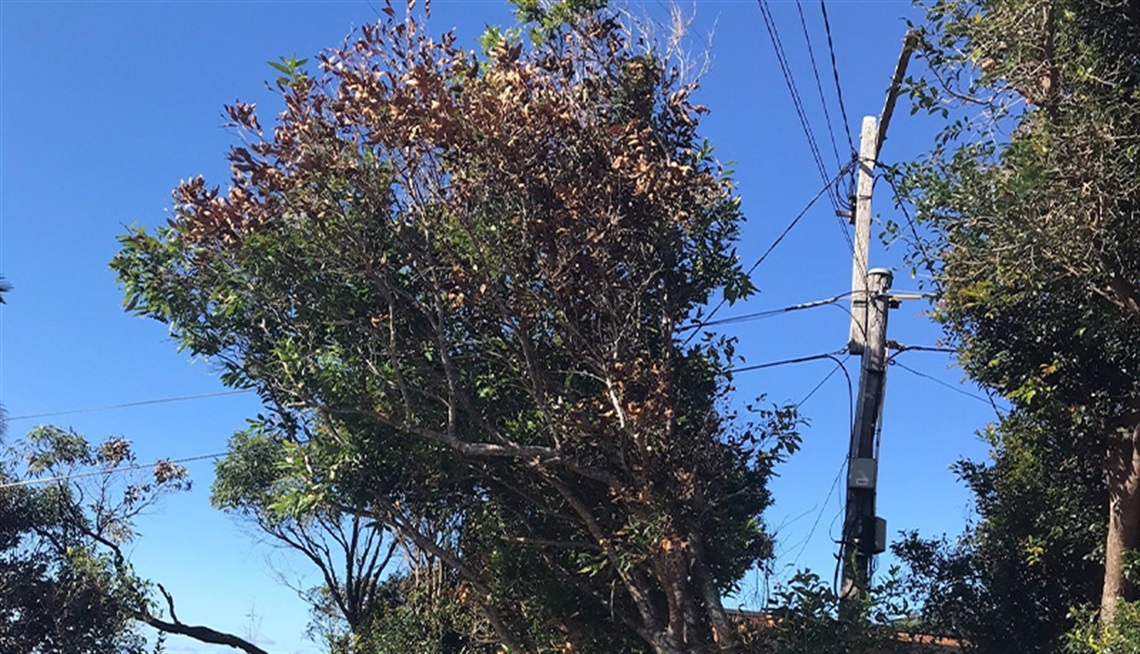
(201, 457)
(835, 74)
(922, 348)
(830, 127)
(758, 315)
(774, 244)
(125, 405)
(785, 362)
(797, 101)
(827, 185)
(109, 471)
(901, 204)
(818, 83)
(819, 516)
(840, 365)
(938, 381)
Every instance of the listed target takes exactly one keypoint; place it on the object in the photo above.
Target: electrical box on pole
(864, 533)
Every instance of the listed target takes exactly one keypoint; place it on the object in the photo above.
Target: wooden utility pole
(864, 534)
(868, 152)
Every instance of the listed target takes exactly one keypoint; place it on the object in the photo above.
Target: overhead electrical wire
(846, 203)
(911, 224)
(938, 381)
(922, 348)
(109, 471)
(126, 405)
(779, 239)
(840, 365)
(797, 101)
(835, 75)
(827, 185)
(818, 84)
(758, 315)
(201, 457)
(785, 362)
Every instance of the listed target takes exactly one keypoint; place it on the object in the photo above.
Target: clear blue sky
(106, 105)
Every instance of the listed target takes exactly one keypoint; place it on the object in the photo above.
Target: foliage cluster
(805, 620)
(65, 585)
(1039, 528)
(1030, 198)
(1122, 636)
(457, 282)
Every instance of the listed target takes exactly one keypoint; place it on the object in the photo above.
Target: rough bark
(1123, 472)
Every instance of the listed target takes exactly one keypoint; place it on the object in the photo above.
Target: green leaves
(1029, 196)
(67, 587)
(457, 284)
(805, 610)
(290, 68)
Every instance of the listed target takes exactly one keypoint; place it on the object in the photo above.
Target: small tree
(351, 554)
(66, 512)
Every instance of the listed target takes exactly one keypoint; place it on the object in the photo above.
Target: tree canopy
(1031, 196)
(458, 283)
(64, 590)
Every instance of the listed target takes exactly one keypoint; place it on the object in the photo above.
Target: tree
(351, 555)
(67, 586)
(459, 282)
(1012, 580)
(52, 600)
(1031, 195)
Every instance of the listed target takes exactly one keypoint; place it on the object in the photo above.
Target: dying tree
(458, 280)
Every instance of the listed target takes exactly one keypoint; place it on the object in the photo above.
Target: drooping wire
(989, 397)
(842, 106)
(920, 244)
(938, 381)
(840, 365)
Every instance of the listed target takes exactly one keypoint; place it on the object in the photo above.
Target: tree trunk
(1123, 471)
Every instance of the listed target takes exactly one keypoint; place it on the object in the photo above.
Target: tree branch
(199, 633)
(508, 450)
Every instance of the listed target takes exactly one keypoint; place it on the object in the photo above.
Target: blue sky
(105, 106)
